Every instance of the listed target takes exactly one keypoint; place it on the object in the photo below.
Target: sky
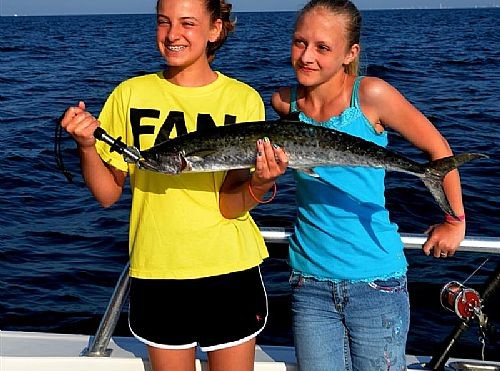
(67, 7)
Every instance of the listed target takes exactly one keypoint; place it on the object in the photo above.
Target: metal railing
(98, 346)
(276, 235)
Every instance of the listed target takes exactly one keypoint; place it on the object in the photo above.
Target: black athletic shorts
(214, 312)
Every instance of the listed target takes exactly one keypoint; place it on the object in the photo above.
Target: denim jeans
(359, 326)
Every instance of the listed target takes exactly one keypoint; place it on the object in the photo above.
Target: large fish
(233, 147)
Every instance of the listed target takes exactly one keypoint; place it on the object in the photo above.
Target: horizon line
(260, 11)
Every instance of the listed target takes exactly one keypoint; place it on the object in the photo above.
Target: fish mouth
(166, 165)
(184, 164)
(147, 164)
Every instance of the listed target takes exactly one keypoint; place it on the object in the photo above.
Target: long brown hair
(218, 9)
(347, 9)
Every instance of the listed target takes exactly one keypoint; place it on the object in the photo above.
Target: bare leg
(238, 358)
(172, 359)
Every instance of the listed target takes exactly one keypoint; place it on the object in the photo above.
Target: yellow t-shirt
(176, 228)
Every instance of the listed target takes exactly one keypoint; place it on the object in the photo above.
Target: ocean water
(61, 254)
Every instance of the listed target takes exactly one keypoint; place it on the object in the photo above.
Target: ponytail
(219, 9)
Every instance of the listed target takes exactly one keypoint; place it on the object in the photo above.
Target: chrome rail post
(99, 344)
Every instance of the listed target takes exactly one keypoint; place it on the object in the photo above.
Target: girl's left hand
(271, 162)
(444, 239)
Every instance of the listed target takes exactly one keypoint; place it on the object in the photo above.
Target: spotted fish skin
(224, 148)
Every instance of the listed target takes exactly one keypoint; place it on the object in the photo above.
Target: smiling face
(319, 47)
(184, 27)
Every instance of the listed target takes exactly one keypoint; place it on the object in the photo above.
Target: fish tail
(436, 170)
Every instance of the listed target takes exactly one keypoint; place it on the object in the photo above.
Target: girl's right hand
(80, 124)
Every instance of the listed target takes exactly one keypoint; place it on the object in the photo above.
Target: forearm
(238, 200)
(240, 192)
(100, 179)
(453, 191)
(451, 182)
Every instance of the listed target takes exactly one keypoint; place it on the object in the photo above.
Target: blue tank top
(343, 230)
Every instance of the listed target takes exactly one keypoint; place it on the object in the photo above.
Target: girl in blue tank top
(350, 302)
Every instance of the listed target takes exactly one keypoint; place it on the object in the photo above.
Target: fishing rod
(467, 304)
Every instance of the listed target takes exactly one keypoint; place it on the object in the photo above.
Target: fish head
(172, 163)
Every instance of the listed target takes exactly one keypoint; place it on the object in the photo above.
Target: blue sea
(61, 254)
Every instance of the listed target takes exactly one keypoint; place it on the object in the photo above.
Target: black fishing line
(58, 135)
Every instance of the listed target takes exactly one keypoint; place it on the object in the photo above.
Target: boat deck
(36, 351)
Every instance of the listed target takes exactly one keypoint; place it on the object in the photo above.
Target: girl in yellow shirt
(194, 248)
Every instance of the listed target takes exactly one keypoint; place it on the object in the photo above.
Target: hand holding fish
(271, 162)
(80, 124)
(241, 192)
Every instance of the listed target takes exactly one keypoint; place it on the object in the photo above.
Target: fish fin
(436, 170)
(196, 159)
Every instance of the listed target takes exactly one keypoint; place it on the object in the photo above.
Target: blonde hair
(347, 9)
(218, 9)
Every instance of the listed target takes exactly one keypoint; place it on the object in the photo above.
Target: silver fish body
(233, 147)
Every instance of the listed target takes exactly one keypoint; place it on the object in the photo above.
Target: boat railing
(98, 346)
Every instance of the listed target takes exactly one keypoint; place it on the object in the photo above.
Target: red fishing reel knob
(464, 302)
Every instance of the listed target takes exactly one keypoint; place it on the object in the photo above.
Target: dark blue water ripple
(61, 253)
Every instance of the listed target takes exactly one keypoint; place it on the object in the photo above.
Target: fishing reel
(467, 304)
(464, 302)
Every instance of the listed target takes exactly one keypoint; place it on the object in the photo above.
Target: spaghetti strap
(355, 92)
(293, 99)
